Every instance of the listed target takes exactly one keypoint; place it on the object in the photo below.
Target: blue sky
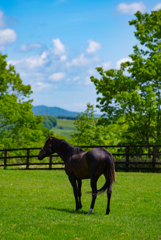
(55, 45)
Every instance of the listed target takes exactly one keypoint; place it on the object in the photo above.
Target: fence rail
(127, 164)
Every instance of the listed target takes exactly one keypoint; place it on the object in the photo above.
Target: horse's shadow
(66, 210)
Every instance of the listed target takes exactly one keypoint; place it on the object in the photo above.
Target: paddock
(33, 207)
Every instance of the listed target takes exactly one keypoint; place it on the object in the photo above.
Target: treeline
(68, 118)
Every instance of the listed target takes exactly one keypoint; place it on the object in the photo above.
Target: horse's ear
(50, 137)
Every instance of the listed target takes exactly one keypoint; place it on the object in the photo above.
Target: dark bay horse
(83, 165)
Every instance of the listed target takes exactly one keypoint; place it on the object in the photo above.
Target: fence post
(153, 160)
(127, 159)
(28, 160)
(5, 159)
(50, 162)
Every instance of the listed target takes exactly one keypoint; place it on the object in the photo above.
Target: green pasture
(40, 205)
(62, 132)
(64, 127)
(65, 123)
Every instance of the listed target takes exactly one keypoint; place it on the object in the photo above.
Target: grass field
(64, 127)
(40, 205)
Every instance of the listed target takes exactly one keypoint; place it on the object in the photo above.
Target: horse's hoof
(90, 211)
(77, 208)
(80, 206)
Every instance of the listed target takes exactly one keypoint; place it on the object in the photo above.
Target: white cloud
(31, 62)
(50, 68)
(106, 65)
(13, 62)
(93, 46)
(44, 55)
(59, 48)
(29, 47)
(57, 76)
(36, 61)
(118, 64)
(76, 78)
(2, 24)
(80, 61)
(131, 8)
(39, 86)
(63, 58)
(157, 7)
(7, 36)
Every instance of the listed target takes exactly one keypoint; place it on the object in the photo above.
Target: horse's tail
(109, 174)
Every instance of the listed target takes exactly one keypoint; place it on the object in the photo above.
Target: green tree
(46, 122)
(10, 81)
(49, 121)
(134, 91)
(86, 130)
(18, 126)
(47, 133)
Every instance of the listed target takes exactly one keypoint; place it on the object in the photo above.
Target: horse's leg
(72, 180)
(79, 192)
(94, 193)
(109, 192)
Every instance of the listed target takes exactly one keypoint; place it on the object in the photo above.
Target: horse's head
(47, 149)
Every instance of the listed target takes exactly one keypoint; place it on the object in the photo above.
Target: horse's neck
(63, 152)
(62, 155)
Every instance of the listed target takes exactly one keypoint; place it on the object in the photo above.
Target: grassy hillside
(64, 127)
(41, 205)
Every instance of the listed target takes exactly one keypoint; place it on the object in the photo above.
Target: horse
(80, 164)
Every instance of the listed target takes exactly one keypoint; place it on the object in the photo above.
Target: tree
(52, 120)
(10, 81)
(86, 130)
(134, 91)
(18, 126)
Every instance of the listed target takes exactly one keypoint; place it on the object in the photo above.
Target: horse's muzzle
(41, 154)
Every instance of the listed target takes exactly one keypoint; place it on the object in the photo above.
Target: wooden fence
(127, 160)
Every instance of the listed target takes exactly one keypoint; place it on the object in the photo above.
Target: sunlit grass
(40, 205)
(64, 127)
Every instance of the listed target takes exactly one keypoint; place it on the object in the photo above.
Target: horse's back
(98, 154)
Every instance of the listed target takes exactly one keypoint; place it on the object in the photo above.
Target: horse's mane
(65, 147)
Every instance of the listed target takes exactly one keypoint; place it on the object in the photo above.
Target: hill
(52, 111)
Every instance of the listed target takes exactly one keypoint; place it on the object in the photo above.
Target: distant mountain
(52, 111)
